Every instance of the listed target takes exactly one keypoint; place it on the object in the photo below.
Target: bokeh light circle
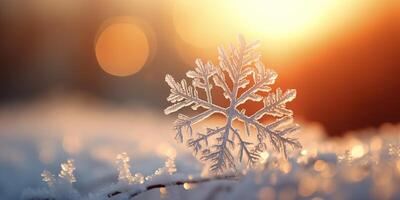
(122, 46)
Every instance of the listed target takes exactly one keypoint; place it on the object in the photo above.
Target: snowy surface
(41, 135)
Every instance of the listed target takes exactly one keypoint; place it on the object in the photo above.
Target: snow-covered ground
(43, 134)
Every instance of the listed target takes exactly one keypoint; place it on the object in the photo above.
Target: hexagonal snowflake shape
(239, 63)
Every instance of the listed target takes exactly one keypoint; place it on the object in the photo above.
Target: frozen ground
(43, 134)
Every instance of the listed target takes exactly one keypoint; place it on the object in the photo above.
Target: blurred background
(343, 57)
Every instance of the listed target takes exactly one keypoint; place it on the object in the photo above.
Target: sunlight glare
(208, 23)
(357, 151)
(283, 18)
(204, 23)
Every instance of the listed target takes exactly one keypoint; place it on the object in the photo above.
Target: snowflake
(240, 64)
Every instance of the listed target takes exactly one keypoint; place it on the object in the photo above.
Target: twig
(176, 183)
(160, 185)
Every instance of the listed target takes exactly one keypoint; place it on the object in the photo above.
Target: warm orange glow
(188, 186)
(163, 192)
(122, 48)
(72, 144)
(264, 157)
(291, 25)
(266, 193)
(320, 165)
(398, 165)
(285, 167)
(284, 18)
(208, 23)
(307, 186)
(375, 143)
(205, 23)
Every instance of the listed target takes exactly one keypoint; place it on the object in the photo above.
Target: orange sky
(345, 68)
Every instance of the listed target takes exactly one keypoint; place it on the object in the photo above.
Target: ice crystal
(67, 171)
(241, 64)
(58, 187)
(124, 170)
(170, 165)
(66, 174)
(346, 157)
(169, 168)
(394, 150)
(49, 178)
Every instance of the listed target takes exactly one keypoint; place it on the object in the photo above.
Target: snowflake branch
(221, 157)
(261, 85)
(182, 96)
(195, 143)
(208, 91)
(274, 104)
(276, 137)
(203, 72)
(202, 103)
(184, 121)
(224, 151)
(234, 64)
(219, 80)
(252, 158)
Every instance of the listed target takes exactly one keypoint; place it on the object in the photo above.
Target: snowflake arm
(220, 157)
(235, 65)
(275, 133)
(219, 80)
(183, 95)
(251, 156)
(201, 77)
(262, 79)
(196, 143)
(275, 104)
(184, 121)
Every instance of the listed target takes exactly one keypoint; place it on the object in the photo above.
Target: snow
(42, 135)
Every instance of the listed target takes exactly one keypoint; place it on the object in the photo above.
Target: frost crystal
(346, 157)
(49, 178)
(66, 174)
(170, 165)
(67, 171)
(394, 150)
(124, 170)
(242, 64)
